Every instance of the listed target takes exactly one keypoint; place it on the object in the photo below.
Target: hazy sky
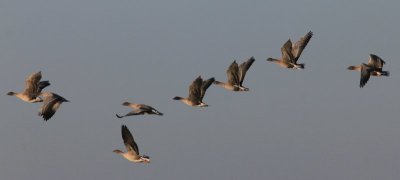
(311, 124)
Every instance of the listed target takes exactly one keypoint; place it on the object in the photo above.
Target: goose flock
(235, 77)
(33, 94)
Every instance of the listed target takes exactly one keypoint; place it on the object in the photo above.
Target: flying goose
(33, 88)
(236, 76)
(51, 103)
(291, 53)
(197, 91)
(132, 150)
(139, 109)
(373, 67)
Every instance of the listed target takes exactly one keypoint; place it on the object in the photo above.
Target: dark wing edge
(299, 46)
(205, 85)
(47, 110)
(42, 85)
(365, 75)
(375, 61)
(129, 141)
(244, 67)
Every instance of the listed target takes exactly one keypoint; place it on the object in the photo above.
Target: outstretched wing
(195, 89)
(31, 85)
(42, 85)
(286, 50)
(205, 86)
(51, 103)
(129, 142)
(233, 74)
(299, 46)
(365, 74)
(243, 69)
(143, 108)
(49, 107)
(375, 61)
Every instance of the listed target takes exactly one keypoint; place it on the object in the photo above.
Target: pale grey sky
(292, 125)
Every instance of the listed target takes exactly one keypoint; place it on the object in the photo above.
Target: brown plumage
(33, 88)
(236, 76)
(197, 91)
(291, 53)
(51, 103)
(372, 68)
(132, 149)
(139, 109)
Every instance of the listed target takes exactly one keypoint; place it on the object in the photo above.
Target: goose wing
(205, 86)
(150, 110)
(195, 89)
(375, 61)
(233, 74)
(146, 108)
(42, 85)
(143, 108)
(299, 46)
(49, 107)
(244, 67)
(129, 142)
(31, 85)
(51, 103)
(286, 50)
(365, 74)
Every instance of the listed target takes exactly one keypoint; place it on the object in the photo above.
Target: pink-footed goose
(291, 53)
(132, 149)
(236, 76)
(373, 67)
(197, 90)
(33, 88)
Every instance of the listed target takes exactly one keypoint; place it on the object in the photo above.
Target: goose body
(197, 91)
(236, 76)
(291, 53)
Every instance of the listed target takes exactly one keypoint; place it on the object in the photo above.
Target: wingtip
(362, 84)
